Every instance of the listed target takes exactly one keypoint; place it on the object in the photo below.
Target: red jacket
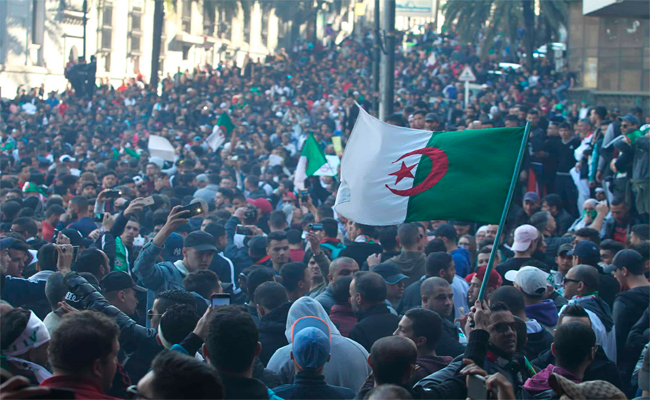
(343, 318)
(84, 389)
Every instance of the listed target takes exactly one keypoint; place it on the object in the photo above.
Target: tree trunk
(158, 20)
(529, 32)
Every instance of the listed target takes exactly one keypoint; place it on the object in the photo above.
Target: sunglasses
(503, 327)
(565, 280)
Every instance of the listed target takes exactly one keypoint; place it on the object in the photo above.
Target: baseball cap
(431, 117)
(118, 280)
(630, 119)
(173, 250)
(390, 272)
(310, 342)
(587, 250)
(531, 196)
(262, 204)
(599, 189)
(565, 248)
(524, 236)
(531, 280)
(629, 259)
(445, 230)
(202, 178)
(584, 390)
(257, 243)
(66, 158)
(200, 241)
(6, 243)
(495, 281)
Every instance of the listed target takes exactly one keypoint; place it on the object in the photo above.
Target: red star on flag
(404, 172)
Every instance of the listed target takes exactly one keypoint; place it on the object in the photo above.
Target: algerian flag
(391, 175)
(225, 124)
(31, 189)
(216, 138)
(311, 159)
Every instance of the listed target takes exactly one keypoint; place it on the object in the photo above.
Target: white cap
(531, 280)
(524, 236)
(66, 157)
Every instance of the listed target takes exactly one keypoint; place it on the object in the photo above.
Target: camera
(315, 227)
(250, 214)
(304, 196)
(242, 230)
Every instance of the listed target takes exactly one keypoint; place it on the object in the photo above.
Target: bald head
(342, 266)
(437, 295)
(393, 360)
(585, 274)
(431, 284)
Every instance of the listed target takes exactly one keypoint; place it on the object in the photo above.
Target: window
(107, 28)
(136, 30)
(187, 16)
(186, 53)
(223, 27)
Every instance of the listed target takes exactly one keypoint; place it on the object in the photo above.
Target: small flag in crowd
(311, 159)
(391, 175)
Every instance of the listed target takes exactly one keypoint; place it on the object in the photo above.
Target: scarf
(34, 335)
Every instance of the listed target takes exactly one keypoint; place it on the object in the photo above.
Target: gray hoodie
(412, 264)
(348, 366)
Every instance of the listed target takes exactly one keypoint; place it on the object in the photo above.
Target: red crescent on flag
(439, 167)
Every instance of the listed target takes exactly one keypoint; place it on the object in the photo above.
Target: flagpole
(506, 208)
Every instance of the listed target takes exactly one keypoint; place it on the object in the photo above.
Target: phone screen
(476, 388)
(220, 299)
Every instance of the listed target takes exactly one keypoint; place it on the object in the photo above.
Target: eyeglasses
(132, 393)
(503, 327)
(565, 280)
(150, 314)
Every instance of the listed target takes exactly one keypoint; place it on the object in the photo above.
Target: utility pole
(388, 61)
(376, 56)
(158, 21)
(85, 10)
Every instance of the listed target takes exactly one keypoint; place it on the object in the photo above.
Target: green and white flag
(311, 160)
(391, 175)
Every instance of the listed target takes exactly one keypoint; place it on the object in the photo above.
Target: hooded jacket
(462, 259)
(348, 366)
(537, 387)
(271, 328)
(628, 309)
(539, 339)
(411, 264)
(545, 313)
(601, 322)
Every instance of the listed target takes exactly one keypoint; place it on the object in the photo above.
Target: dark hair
(573, 344)
(590, 233)
(388, 392)
(437, 262)
(341, 290)
(177, 322)
(572, 310)
(54, 209)
(553, 200)
(642, 248)
(203, 282)
(391, 357)
(80, 339)
(79, 201)
(215, 230)
(170, 297)
(270, 295)
(640, 230)
(232, 340)
(177, 376)
(540, 219)
(61, 190)
(600, 111)
(330, 227)
(371, 286)
(12, 325)
(55, 290)
(292, 273)
(325, 211)
(47, 257)
(426, 323)
(397, 120)
(226, 193)
(435, 245)
(409, 234)
(11, 208)
(256, 278)
(27, 224)
(294, 236)
(90, 260)
(387, 236)
(618, 200)
(420, 112)
(611, 245)
(510, 296)
(496, 306)
(277, 220)
(367, 230)
(277, 236)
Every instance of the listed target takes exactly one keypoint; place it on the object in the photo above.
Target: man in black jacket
(587, 252)
(272, 308)
(360, 243)
(368, 299)
(438, 296)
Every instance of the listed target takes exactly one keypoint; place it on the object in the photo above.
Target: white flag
(216, 138)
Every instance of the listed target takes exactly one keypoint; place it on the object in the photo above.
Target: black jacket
(601, 369)
(608, 288)
(271, 328)
(516, 263)
(312, 387)
(411, 297)
(628, 309)
(640, 332)
(359, 251)
(448, 344)
(537, 343)
(244, 388)
(268, 377)
(374, 323)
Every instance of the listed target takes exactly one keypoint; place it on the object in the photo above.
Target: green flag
(225, 123)
(311, 159)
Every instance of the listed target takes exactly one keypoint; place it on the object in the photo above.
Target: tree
(505, 17)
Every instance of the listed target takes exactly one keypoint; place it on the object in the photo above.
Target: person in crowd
(296, 279)
(437, 296)
(394, 282)
(272, 308)
(341, 313)
(564, 263)
(25, 340)
(339, 268)
(55, 291)
(120, 289)
(563, 220)
(278, 250)
(461, 256)
(638, 234)
(361, 243)
(393, 361)
(588, 253)
(439, 264)
(601, 368)
(619, 222)
(538, 338)
(529, 207)
(581, 288)
(608, 249)
(545, 223)
(534, 285)
(310, 352)
(348, 366)
(178, 321)
(574, 349)
(524, 246)
(424, 328)
(202, 284)
(476, 279)
(368, 298)
(256, 277)
(411, 260)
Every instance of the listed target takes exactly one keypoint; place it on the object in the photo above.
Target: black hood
(601, 309)
(639, 295)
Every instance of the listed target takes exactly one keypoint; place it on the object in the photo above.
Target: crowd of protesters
(108, 282)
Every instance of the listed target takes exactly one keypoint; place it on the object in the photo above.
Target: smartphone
(113, 194)
(98, 217)
(194, 209)
(242, 230)
(148, 201)
(315, 227)
(220, 299)
(476, 389)
(304, 196)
